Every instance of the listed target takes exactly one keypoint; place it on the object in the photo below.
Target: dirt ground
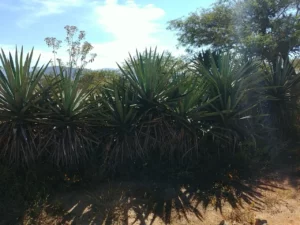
(272, 199)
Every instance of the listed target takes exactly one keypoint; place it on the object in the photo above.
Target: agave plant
(204, 57)
(234, 82)
(20, 137)
(280, 84)
(156, 84)
(71, 114)
(120, 116)
(182, 126)
(151, 76)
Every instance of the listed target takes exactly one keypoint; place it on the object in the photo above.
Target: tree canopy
(260, 28)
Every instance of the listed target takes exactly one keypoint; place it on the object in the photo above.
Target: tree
(259, 28)
(98, 78)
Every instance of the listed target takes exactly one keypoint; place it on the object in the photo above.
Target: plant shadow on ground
(286, 168)
(146, 201)
(150, 196)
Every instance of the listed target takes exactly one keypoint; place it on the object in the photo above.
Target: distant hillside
(50, 69)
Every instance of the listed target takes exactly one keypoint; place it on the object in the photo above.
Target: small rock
(261, 222)
(223, 222)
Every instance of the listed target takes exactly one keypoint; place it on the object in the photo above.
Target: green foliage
(99, 78)
(231, 84)
(256, 30)
(120, 116)
(19, 97)
(206, 28)
(260, 28)
(231, 80)
(70, 118)
(153, 110)
(150, 77)
(282, 95)
(137, 102)
(70, 112)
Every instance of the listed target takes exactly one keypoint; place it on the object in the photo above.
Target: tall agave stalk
(20, 138)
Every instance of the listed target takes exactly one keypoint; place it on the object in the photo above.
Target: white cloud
(111, 53)
(48, 7)
(130, 20)
(38, 8)
(132, 27)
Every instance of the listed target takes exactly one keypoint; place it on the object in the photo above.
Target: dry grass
(246, 215)
(141, 203)
(111, 204)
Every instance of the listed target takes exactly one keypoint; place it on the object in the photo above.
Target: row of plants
(152, 111)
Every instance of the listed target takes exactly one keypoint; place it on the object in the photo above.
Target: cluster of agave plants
(154, 110)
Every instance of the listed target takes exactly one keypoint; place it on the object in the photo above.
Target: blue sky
(114, 27)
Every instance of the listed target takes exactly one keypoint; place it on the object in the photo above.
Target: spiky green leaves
(151, 75)
(281, 91)
(70, 120)
(232, 83)
(151, 111)
(19, 97)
